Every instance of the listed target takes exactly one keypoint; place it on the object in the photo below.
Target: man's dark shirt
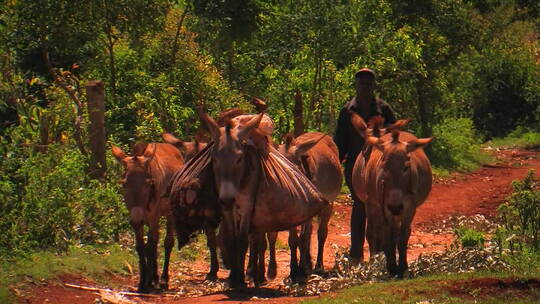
(348, 141)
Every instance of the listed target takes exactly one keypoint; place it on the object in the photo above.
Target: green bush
(520, 215)
(521, 137)
(468, 237)
(47, 201)
(457, 146)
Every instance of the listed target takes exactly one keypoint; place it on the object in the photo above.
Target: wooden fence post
(95, 93)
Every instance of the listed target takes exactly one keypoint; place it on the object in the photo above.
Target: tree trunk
(43, 133)
(112, 65)
(331, 101)
(177, 36)
(77, 133)
(95, 92)
(425, 113)
(298, 114)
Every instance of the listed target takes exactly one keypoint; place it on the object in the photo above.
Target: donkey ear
(118, 153)
(150, 152)
(173, 140)
(253, 123)
(301, 149)
(377, 142)
(288, 139)
(418, 143)
(398, 125)
(210, 124)
(358, 124)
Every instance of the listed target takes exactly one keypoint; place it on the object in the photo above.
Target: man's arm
(341, 134)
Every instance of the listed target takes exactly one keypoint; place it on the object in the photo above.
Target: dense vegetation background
(464, 70)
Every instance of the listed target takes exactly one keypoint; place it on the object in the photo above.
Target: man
(350, 144)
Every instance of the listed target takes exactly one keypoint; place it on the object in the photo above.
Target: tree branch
(77, 134)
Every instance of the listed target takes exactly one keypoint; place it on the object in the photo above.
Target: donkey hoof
(319, 271)
(143, 289)
(260, 283)
(212, 277)
(299, 278)
(271, 273)
(164, 286)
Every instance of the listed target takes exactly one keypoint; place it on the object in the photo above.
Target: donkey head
(374, 127)
(189, 148)
(293, 150)
(137, 183)
(395, 172)
(228, 159)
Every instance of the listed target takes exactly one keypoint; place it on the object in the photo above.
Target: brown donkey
(259, 190)
(145, 180)
(395, 179)
(316, 155)
(188, 148)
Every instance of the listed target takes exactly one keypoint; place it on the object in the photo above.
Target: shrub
(47, 201)
(457, 146)
(520, 215)
(469, 237)
(521, 137)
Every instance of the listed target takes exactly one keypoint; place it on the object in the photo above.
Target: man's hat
(364, 71)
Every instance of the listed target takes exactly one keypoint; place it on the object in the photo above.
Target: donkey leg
(358, 229)
(403, 240)
(293, 245)
(260, 278)
(236, 242)
(390, 252)
(256, 254)
(151, 251)
(306, 264)
(272, 265)
(141, 251)
(168, 244)
(322, 234)
(252, 261)
(227, 231)
(211, 243)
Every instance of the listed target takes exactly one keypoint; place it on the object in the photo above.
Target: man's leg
(358, 218)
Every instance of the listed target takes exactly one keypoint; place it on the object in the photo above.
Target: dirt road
(479, 192)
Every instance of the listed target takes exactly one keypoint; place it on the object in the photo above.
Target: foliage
(50, 202)
(468, 237)
(457, 146)
(463, 71)
(520, 215)
(521, 137)
(507, 87)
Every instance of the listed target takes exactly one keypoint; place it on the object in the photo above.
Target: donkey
(259, 190)
(146, 177)
(316, 155)
(189, 148)
(199, 209)
(395, 179)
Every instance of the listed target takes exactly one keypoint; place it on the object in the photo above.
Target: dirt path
(479, 192)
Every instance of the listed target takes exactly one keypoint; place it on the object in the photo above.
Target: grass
(196, 248)
(519, 138)
(93, 262)
(96, 263)
(444, 288)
